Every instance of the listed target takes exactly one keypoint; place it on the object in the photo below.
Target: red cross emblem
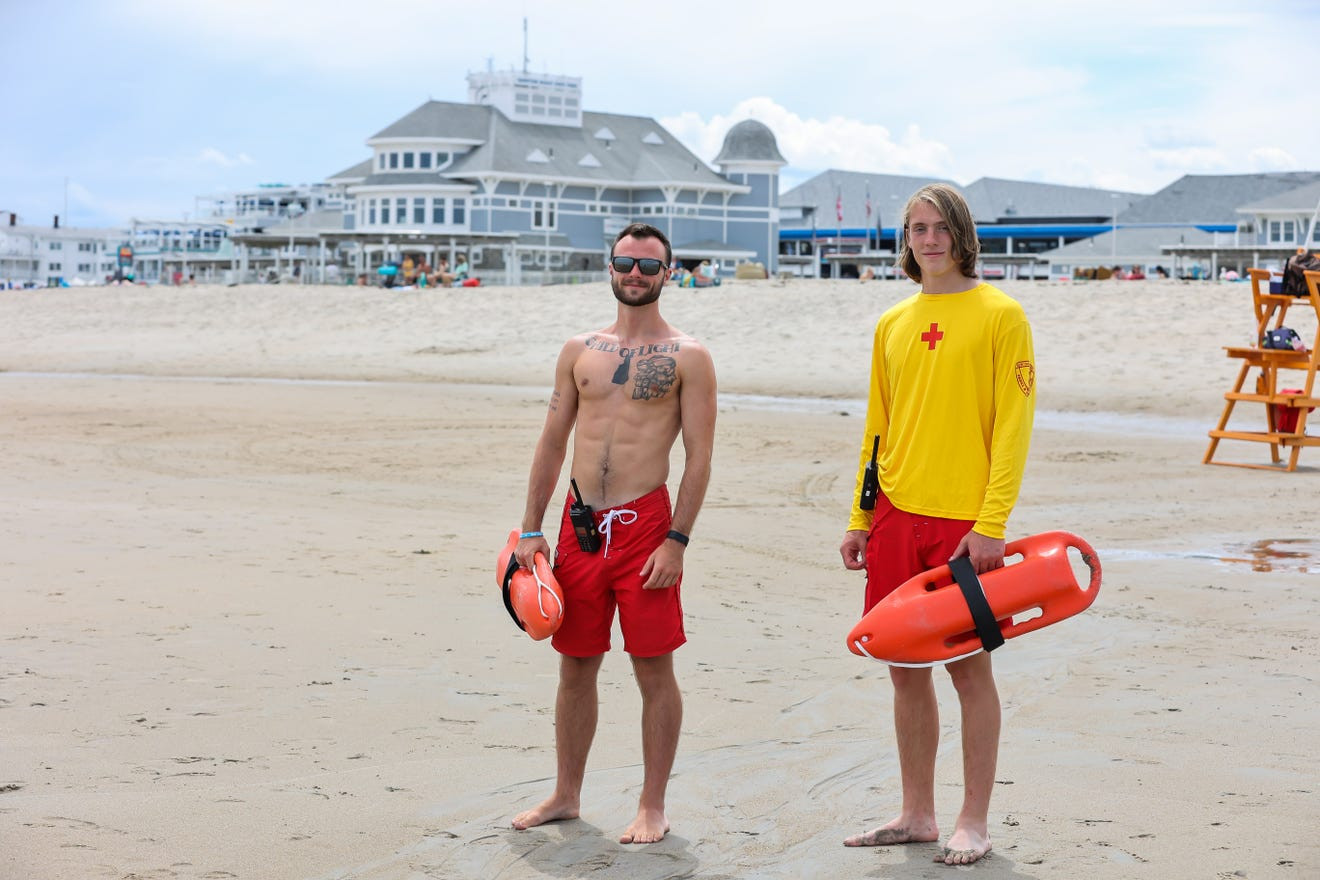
(932, 336)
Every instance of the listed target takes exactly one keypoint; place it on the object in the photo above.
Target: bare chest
(641, 373)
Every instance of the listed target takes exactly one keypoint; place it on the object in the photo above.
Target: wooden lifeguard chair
(1285, 409)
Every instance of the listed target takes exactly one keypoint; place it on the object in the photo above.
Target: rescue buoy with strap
(532, 598)
(949, 612)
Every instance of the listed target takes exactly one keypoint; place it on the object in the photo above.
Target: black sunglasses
(646, 265)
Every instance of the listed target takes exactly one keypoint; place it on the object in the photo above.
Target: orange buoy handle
(927, 620)
(533, 598)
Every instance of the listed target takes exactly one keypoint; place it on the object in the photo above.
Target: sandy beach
(250, 627)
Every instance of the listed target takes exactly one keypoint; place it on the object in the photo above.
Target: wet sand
(251, 628)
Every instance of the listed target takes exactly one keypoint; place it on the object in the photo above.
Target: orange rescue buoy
(933, 619)
(532, 598)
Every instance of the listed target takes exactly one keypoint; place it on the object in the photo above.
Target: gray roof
(995, 200)
(440, 119)
(353, 172)
(752, 141)
(1303, 198)
(1134, 245)
(889, 194)
(1213, 198)
(631, 149)
(625, 153)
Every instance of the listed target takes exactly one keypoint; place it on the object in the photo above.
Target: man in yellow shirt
(948, 420)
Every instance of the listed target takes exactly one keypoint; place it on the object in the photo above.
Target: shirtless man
(624, 394)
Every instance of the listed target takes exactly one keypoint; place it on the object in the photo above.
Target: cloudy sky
(134, 108)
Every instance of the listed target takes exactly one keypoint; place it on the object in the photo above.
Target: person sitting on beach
(442, 277)
(460, 271)
(956, 354)
(868, 274)
(703, 277)
(622, 396)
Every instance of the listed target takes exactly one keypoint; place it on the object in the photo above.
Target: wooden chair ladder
(1281, 404)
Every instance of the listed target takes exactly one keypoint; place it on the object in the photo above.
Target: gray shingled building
(529, 186)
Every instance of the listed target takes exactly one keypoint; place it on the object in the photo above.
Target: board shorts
(594, 584)
(902, 545)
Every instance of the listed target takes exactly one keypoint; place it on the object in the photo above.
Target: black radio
(584, 522)
(870, 480)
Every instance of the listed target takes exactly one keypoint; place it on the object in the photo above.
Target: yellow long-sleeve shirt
(952, 399)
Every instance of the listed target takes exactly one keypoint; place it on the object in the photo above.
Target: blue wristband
(526, 535)
(677, 536)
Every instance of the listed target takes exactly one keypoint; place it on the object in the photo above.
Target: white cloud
(1271, 159)
(210, 155)
(1202, 160)
(817, 144)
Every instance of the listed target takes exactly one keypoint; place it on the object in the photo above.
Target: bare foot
(894, 833)
(964, 847)
(549, 810)
(649, 827)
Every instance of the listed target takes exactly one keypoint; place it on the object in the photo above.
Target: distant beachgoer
(1294, 272)
(703, 276)
(442, 276)
(622, 396)
(868, 274)
(460, 270)
(956, 354)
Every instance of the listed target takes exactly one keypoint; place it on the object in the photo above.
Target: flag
(838, 206)
(868, 203)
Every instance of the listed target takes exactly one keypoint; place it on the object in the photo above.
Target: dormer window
(653, 138)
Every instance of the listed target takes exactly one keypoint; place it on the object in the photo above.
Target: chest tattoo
(655, 377)
(621, 372)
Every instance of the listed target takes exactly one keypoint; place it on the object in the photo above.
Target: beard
(631, 295)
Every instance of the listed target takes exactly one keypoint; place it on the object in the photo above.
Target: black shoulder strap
(508, 602)
(984, 619)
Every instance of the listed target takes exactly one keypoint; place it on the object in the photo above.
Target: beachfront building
(54, 256)
(1200, 226)
(840, 221)
(527, 186)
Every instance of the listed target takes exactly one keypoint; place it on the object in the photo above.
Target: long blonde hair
(953, 208)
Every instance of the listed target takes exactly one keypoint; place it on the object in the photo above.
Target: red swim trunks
(594, 584)
(902, 545)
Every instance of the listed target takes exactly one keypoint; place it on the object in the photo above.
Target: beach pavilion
(529, 187)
